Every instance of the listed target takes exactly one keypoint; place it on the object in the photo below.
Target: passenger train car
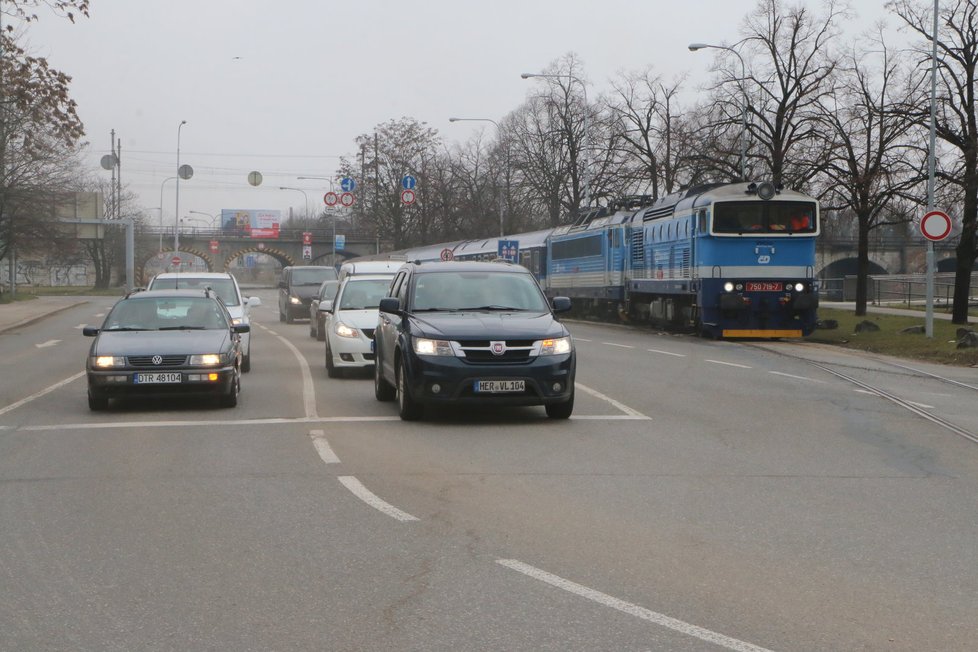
(728, 260)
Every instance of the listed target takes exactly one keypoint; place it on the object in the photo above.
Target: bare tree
(878, 155)
(957, 116)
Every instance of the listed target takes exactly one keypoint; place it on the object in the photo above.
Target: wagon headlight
(555, 346)
(105, 361)
(205, 360)
(295, 300)
(432, 347)
(728, 287)
(345, 331)
(799, 287)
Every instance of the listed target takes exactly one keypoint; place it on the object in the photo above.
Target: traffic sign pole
(935, 225)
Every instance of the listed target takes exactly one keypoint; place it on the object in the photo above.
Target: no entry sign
(935, 225)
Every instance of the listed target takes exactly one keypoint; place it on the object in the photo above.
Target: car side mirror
(390, 304)
(90, 331)
(242, 328)
(253, 301)
(325, 306)
(561, 304)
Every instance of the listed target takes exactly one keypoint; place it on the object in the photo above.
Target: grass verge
(888, 340)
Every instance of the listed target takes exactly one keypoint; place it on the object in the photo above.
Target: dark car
(317, 320)
(472, 333)
(165, 343)
(297, 287)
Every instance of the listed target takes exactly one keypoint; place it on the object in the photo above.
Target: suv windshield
(477, 291)
(224, 287)
(312, 276)
(363, 294)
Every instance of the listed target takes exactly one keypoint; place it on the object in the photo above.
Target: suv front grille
(147, 361)
(480, 352)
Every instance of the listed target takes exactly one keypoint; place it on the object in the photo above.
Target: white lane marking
(921, 405)
(308, 389)
(621, 406)
(581, 339)
(631, 609)
(730, 364)
(44, 345)
(28, 399)
(202, 422)
(865, 391)
(811, 380)
(677, 355)
(322, 447)
(366, 496)
(269, 330)
(609, 417)
(100, 314)
(80, 326)
(620, 346)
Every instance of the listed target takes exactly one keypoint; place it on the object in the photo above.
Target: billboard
(255, 223)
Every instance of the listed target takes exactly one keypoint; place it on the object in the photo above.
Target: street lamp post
(693, 47)
(587, 132)
(499, 134)
(213, 217)
(305, 197)
(161, 210)
(176, 231)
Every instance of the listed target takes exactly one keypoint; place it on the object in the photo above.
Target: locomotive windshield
(764, 217)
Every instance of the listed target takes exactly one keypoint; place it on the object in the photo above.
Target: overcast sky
(284, 87)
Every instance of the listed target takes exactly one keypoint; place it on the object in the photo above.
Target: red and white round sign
(175, 260)
(331, 198)
(447, 254)
(407, 197)
(347, 199)
(935, 225)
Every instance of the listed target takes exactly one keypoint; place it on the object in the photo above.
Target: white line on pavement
(322, 447)
(202, 422)
(620, 346)
(80, 326)
(44, 345)
(28, 399)
(580, 339)
(730, 364)
(366, 496)
(921, 405)
(631, 609)
(677, 355)
(308, 389)
(621, 406)
(811, 380)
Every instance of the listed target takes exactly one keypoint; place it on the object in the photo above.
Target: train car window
(796, 217)
(702, 222)
(764, 217)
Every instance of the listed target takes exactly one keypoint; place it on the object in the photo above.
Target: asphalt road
(704, 496)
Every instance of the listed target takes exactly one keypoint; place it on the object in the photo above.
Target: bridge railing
(318, 234)
(891, 289)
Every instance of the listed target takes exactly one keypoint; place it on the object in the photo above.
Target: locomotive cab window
(764, 217)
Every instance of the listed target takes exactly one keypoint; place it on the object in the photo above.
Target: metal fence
(895, 288)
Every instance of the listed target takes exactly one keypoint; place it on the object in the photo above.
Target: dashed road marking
(28, 399)
(621, 406)
(322, 447)
(811, 380)
(631, 609)
(364, 494)
(44, 345)
(620, 346)
(675, 355)
(730, 364)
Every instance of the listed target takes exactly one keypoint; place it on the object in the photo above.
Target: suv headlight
(205, 360)
(432, 347)
(345, 331)
(295, 300)
(237, 321)
(555, 346)
(105, 361)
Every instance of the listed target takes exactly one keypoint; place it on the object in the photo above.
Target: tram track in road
(911, 406)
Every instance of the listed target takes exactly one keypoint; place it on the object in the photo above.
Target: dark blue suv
(477, 333)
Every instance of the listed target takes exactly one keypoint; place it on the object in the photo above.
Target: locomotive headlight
(799, 287)
(728, 287)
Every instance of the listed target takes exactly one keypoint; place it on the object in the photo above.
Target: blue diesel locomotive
(727, 260)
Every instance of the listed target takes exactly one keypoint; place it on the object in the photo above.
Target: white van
(354, 268)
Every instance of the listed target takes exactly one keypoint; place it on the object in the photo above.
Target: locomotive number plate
(499, 386)
(764, 286)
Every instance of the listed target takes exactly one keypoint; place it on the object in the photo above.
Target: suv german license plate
(499, 386)
(160, 377)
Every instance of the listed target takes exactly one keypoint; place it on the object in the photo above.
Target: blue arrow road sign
(408, 182)
(509, 250)
(348, 184)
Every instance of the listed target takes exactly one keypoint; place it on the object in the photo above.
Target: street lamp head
(527, 75)
(453, 119)
(183, 122)
(693, 47)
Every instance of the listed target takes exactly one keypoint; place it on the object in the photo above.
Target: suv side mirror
(561, 304)
(390, 304)
(251, 302)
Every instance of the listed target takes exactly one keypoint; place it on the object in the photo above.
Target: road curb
(39, 317)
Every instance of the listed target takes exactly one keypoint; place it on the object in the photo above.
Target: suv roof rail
(134, 291)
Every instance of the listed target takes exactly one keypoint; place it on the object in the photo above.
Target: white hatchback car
(351, 320)
(226, 287)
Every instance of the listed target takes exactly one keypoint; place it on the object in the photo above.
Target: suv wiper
(434, 310)
(183, 328)
(116, 329)
(494, 307)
